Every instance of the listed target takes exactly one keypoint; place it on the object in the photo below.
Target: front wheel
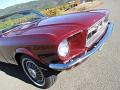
(39, 75)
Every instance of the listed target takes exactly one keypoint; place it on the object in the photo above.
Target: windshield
(18, 18)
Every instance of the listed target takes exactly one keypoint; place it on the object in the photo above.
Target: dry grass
(84, 7)
(70, 8)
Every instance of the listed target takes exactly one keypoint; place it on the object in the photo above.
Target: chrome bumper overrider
(70, 64)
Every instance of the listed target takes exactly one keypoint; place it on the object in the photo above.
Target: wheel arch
(22, 51)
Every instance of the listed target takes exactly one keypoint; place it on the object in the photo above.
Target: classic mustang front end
(44, 46)
(96, 36)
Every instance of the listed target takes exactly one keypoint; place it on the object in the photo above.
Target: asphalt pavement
(100, 72)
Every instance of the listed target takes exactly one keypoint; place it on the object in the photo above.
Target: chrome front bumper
(70, 64)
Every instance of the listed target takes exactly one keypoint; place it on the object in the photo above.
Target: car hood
(60, 27)
(82, 19)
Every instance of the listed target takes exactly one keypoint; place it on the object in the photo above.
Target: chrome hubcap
(33, 72)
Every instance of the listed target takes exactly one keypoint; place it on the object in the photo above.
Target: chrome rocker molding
(70, 64)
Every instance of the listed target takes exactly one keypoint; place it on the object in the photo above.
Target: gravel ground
(100, 72)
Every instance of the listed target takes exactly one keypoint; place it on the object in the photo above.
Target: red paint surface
(44, 37)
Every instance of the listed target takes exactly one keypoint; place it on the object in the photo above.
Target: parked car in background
(46, 46)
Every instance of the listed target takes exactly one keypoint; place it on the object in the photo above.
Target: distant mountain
(43, 4)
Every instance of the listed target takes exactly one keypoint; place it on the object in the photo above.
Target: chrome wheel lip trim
(23, 60)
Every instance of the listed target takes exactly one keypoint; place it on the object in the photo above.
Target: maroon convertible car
(45, 46)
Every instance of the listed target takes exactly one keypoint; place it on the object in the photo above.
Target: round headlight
(63, 48)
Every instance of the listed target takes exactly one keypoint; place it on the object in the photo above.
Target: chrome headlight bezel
(63, 48)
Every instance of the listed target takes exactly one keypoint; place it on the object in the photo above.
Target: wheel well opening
(17, 58)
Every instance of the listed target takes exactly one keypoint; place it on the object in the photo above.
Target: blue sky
(7, 3)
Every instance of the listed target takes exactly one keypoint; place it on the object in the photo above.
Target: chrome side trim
(68, 65)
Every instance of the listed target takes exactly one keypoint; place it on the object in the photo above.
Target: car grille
(95, 32)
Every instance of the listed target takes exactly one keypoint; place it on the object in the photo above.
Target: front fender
(28, 53)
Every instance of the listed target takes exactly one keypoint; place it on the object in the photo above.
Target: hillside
(43, 4)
